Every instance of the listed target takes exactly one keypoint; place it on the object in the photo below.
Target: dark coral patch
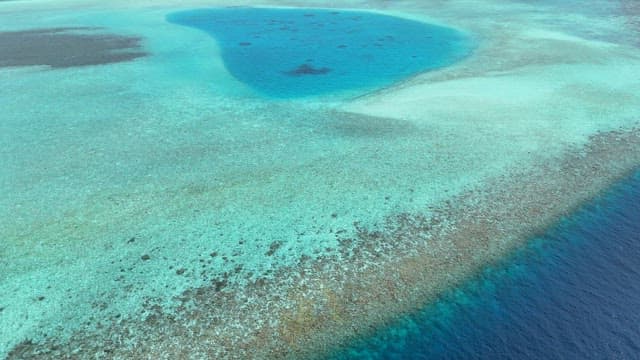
(273, 248)
(66, 47)
(306, 69)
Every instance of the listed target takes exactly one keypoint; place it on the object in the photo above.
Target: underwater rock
(305, 69)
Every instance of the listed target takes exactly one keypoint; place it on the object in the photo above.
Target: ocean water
(286, 53)
(573, 293)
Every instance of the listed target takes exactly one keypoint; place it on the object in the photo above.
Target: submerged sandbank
(161, 208)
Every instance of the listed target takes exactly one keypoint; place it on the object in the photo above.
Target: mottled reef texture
(317, 305)
(66, 47)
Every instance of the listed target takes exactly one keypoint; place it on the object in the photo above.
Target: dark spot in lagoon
(244, 44)
(66, 47)
(145, 257)
(180, 271)
(306, 69)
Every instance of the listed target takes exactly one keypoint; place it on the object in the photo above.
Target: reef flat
(160, 208)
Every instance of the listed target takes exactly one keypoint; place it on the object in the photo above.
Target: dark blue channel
(287, 53)
(573, 293)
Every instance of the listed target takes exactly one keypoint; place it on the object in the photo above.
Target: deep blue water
(573, 293)
(286, 53)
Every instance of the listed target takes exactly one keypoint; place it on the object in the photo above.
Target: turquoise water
(285, 53)
(573, 293)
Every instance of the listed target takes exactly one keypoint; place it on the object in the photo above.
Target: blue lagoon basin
(287, 53)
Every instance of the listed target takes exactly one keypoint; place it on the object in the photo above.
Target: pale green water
(171, 150)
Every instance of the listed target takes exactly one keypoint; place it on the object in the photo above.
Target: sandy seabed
(153, 215)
